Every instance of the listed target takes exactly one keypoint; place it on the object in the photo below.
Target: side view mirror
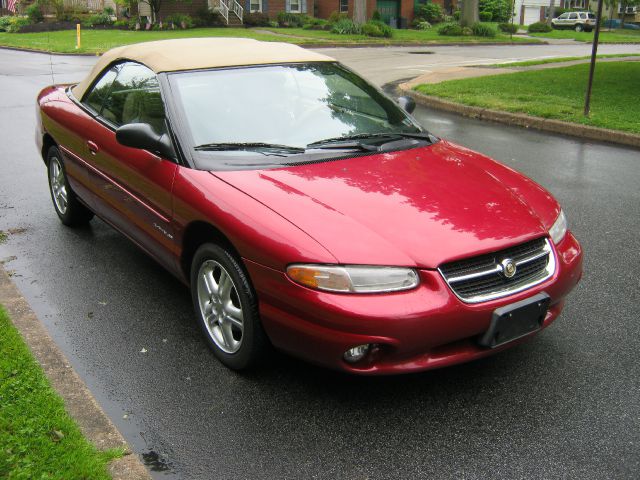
(408, 104)
(141, 135)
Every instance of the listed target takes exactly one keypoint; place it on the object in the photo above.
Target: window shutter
(265, 6)
(303, 7)
(247, 6)
(287, 5)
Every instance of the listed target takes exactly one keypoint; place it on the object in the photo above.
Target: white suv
(577, 21)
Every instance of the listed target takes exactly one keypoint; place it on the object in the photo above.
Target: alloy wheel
(58, 185)
(220, 306)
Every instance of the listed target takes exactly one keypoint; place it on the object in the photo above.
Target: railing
(225, 6)
(91, 5)
(237, 9)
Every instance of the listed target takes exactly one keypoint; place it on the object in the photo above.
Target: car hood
(418, 207)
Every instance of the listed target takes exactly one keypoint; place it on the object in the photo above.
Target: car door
(562, 20)
(133, 187)
(573, 19)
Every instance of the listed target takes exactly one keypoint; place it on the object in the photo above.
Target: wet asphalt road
(564, 405)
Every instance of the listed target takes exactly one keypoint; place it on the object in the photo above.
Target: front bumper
(420, 329)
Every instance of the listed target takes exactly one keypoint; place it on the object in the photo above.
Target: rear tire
(65, 202)
(226, 307)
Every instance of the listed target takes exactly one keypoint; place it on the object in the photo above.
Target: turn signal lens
(354, 279)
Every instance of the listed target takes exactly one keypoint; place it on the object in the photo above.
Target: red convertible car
(306, 209)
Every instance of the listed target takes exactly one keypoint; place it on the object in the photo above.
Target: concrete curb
(79, 403)
(523, 120)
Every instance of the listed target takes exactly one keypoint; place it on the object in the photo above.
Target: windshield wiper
(347, 141)
(248, 146)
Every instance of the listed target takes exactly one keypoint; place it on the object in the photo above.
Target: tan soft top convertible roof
(198, 53)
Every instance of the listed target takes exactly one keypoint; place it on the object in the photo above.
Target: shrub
(424, 25)
(376, 16)
(508, 28)
(336, 16)
(450, 29)
(256, 19)
(208, 18)
(345, 26)
(98, 19)
(180, 20)
(416, 21)
(499, 10)
(456, 15)
(293, 20)
(486, 16)
(11, 24)
(539, 27)
(384, 29)
(431, 12)
(34, 13)
(483, 30)
(467, 32)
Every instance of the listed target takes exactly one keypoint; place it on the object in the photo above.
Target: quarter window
(344, 6)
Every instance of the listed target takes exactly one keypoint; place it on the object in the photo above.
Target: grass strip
(544, 61)
(613, 36)
(38, 439)
(554, 93)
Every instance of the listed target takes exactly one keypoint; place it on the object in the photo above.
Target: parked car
(305, 209)
(577, 21)
(615, 23)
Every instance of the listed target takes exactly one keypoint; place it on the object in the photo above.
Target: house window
(294, 6)
(255, 6)
(344, 6)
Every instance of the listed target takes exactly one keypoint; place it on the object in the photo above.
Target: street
(564, 405)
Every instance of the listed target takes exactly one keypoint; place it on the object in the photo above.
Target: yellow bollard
(77, 35)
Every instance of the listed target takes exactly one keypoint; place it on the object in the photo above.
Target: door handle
(93, 148)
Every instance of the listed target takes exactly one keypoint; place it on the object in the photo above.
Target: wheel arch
(47, 143)
(198, 233)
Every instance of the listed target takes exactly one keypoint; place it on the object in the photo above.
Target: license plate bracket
(515, 321)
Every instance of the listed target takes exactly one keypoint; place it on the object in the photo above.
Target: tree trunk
(469, 13)
(623, 5)
(360, 11)
(610, 15)
(552, 11)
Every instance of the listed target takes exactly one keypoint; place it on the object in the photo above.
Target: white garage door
(531, 15)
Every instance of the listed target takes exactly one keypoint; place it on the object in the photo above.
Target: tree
(469, 13)
(552, 11)
(360, 11)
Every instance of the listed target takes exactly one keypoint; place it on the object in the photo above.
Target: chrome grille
(482, 278)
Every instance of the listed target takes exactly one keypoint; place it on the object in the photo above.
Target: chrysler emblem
(508, 267)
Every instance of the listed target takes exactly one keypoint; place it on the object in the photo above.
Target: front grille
(482, 278)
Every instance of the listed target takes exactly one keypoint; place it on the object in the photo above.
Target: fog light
(356, 354)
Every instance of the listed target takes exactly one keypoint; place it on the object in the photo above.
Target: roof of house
(199, 53)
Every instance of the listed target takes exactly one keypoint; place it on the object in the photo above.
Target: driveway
(564, 405)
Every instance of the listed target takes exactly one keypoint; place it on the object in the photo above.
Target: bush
(467, 32)
(508, 28)
(256, 19)
(376, 16)
(34, 13)
(486, 16)
(98, 19)
(11, 24)
(424, 25)
(539, 27)
(337, 16)
(431, 12)
(450, 29)
(483, 30)
(208, 18)
(379, 29)
(456, 15)
(293, 20)
(180, 21)
(345, 26)
(499, 10)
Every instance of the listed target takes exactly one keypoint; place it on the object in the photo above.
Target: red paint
(417, 208)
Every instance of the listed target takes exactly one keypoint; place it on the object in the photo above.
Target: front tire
(227, 308)
(579, 28)
(65, 202)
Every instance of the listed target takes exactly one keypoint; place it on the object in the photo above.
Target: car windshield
(285, 107)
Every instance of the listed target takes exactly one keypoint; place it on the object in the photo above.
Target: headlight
(559, 228)
(354, 279)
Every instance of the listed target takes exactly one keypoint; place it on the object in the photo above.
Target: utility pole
(592, 67)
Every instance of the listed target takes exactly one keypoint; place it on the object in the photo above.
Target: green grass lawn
(38, 439)
(544, 61)
(555, 93)
(98, 41)
(613, 36)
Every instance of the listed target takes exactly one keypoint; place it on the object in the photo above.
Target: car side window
(573, 16)
(563, 16)
(100, 90)
(135, 98)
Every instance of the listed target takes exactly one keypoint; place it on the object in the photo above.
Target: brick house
(390, 10)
